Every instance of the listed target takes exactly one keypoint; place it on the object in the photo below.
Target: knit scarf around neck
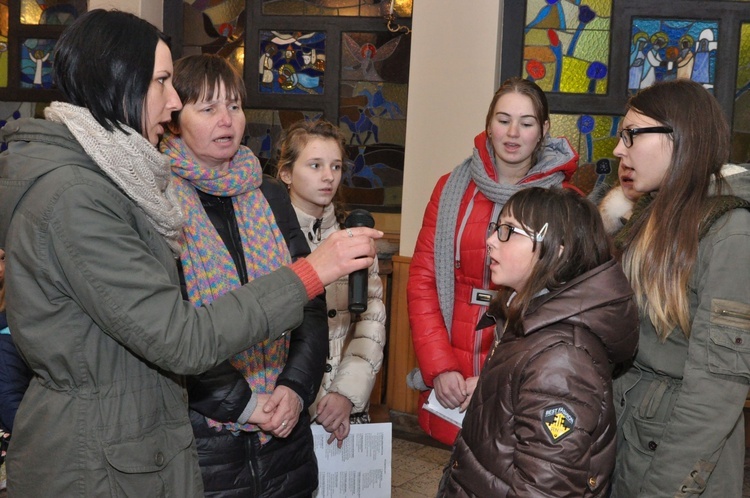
(132, 162)
(475, 169)
(208, 267)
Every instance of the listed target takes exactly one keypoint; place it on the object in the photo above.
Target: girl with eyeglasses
(449, 282)
(685, 251)
(541, 421)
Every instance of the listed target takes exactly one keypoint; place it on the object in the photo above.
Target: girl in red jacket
(449, 282)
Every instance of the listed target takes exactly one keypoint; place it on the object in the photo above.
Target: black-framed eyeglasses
(627, 134)
(504, 230)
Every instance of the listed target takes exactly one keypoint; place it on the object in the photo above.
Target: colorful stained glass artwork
(375, 57)
(4, 18)
(741, 124)
(36, 63)
(666, 49)
(292, 62)
(213, 19)
(265, 128)
(58, 13)
(374, 175)
(566, 45)
(349, 8)
(3, 61)
(372, 116)
(595, 138)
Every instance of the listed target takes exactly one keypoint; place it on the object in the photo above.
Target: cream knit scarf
(132, 162)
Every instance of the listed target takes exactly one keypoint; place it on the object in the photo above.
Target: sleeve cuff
(308, 275)
(249, 409)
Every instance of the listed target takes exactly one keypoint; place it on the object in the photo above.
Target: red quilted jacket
(467, 348)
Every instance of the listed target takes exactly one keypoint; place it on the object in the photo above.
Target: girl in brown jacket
(541, 420)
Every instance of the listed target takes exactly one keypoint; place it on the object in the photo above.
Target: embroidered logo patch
(558, 421)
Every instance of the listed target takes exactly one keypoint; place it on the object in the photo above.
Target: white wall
(451, 82)
(150, 10)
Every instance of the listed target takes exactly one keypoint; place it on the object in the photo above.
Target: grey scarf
(132, 162)
(555, 152)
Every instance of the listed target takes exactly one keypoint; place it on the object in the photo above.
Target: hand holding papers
(452, 415)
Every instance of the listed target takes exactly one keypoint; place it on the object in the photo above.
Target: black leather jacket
(236, 465)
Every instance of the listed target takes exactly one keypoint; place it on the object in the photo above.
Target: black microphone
(358, 279)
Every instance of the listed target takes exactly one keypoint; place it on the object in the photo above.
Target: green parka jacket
(95, 306)
(680, 406)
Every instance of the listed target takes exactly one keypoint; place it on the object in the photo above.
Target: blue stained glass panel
(36, 63)
(292, 62)
(667, 49)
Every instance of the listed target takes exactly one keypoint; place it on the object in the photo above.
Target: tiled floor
(416, 469)
(418, 461)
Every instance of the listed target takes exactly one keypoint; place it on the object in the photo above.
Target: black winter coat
(237, 465)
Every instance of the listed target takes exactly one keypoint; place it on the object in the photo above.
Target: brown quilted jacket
(541, 421)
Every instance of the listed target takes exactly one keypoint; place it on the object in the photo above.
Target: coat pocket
(644, 436)
(729, 345)
(139, 467)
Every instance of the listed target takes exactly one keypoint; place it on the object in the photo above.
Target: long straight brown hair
(661, 250)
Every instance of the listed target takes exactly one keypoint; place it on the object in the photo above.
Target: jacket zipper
(734, 314)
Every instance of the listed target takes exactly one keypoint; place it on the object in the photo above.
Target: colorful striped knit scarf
(208, 267)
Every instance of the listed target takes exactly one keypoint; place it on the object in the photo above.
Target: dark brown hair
(196, 77)
(661, 251)
(296, 138)
(573, 224)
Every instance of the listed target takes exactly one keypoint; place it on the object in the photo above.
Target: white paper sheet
(452, 415)
(361, 468)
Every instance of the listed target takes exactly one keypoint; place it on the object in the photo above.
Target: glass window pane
(292, 62)
(355, 8)
(741, 125)
(36, 63)
(372, 116)
(3, 45)
(566, 45)
(51, 12)
(665, 49)
(216, 27)
(595, 138)
(264, 130)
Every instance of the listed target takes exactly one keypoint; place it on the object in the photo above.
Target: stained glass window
(292, 62)
(664, 49)
(215, 27)
(55, 13)
(360, 8)
(265, 128)
(338, 60)
(566, 45)
(3, 45)
(372, 115)
(36, 63)
(594, 137)
(741, 125)
(29, 30)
